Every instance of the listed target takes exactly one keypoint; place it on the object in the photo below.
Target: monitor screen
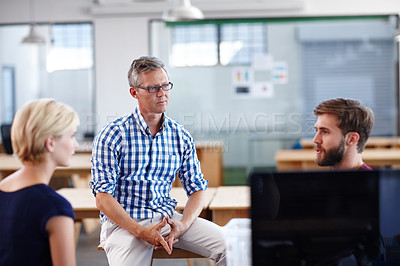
(389, 204)
(314, 218)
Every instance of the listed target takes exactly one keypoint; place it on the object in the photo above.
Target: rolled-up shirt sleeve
(190, 173)
(105, 160)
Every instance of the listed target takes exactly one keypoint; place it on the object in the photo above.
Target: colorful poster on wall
(259, 80)
(280, 73)
(263, 90)
(242, 80)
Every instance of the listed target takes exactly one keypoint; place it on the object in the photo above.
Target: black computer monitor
(314, 218)
(389, 214)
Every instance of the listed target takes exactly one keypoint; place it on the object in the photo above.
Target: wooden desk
(290, 160)
(180, 195)
(209, 154)
(230, 202)
(79, 169)
(372, 143)
(84, 203)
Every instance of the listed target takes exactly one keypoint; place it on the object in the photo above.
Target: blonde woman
(36, 223)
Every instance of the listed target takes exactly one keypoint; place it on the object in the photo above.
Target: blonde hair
(35, 122)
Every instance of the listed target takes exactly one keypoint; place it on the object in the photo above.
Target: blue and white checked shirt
(138, 169)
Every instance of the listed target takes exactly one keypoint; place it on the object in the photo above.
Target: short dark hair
(353, 116)
(142, 65)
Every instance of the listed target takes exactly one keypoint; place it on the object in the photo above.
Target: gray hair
(143, 64)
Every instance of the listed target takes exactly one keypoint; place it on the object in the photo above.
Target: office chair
(6, 137)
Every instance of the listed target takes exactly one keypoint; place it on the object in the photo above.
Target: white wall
(117, 42)
(346, 7)
(17, 11)
(121, 36)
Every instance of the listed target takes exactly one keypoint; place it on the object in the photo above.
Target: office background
(204, 98)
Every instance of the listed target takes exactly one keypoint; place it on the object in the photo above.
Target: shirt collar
(143, 125)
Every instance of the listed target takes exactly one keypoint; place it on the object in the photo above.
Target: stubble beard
(332, 156)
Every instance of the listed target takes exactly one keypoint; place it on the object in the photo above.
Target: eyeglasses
(155, 89)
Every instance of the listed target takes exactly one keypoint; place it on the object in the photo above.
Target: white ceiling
(104, 7)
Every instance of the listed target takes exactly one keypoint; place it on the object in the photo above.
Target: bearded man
(342, 130)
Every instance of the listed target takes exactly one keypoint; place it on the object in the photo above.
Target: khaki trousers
(122, 248)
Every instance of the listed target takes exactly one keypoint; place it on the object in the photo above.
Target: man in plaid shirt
(135, 160)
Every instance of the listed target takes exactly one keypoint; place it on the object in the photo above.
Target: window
(71, 47)
(213, 44)
(301, 61)
(194, 45)
(8, 94)
(239, 42)
(62, 68)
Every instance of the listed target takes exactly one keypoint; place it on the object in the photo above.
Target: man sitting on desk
(342, 130)
(135, 160)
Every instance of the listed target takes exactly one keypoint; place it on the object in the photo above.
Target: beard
(332, 156)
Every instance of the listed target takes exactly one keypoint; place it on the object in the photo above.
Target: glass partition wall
(61, 68)
(254, 83)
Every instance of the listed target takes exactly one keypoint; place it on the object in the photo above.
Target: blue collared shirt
(138, 169)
